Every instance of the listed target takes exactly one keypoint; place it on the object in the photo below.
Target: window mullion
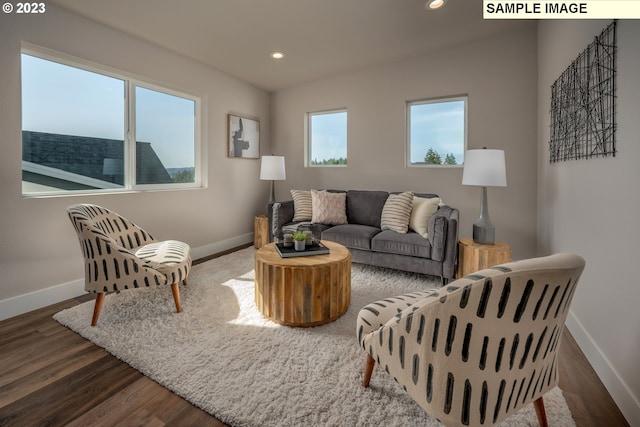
(130, 150)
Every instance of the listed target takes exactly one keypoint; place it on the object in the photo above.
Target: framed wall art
(243, 137)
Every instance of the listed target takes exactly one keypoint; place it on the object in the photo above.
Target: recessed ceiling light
(435, 4)
(277, 55)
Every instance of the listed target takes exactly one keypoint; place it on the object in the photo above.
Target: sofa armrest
(280, 213)
(443, 237)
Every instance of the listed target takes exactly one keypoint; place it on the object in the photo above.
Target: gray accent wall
(498, 74)
(591, 207)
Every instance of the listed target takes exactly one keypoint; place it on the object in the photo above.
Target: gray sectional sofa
(434, 255)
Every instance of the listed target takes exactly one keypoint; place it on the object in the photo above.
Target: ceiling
(320, 37)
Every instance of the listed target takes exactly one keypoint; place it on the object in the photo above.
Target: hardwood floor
(50, 376)
(53, 377)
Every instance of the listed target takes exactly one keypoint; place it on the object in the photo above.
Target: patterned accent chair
(479, 349)
(119, 255)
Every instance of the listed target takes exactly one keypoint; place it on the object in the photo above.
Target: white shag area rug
(224, 357)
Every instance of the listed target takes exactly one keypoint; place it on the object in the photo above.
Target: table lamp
(272, 168)
(484, 168)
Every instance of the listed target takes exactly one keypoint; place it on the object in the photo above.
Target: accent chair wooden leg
(540, 412)
(184, 282)
(176, 296)
(368, 370)
(97, 307)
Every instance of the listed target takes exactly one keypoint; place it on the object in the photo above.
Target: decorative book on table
(290, 252)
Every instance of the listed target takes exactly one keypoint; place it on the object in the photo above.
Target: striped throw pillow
(302, 210)
(397, 211)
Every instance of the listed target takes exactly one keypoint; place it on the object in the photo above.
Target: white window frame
(131, 81)
(308, 142)
(409, 104)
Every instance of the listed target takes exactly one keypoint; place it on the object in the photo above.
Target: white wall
(39, 248)
(499, 76)
(590, 207)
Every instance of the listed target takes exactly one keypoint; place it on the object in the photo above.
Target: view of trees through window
(77, 124)
(327, 138)
(433, 158)
(436, 132)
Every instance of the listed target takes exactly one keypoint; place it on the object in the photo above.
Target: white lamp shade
(485, 168)
(272, 168)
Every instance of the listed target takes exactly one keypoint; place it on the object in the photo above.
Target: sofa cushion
(365, 207)
(354, 236)
(396, 212)
(328, 208)
(301, 205)
(422, 210)
(411, 244)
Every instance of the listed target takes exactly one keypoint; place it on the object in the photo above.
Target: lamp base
(484, 232)
(272, 193)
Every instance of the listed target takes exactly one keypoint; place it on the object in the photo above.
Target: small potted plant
(299, 239)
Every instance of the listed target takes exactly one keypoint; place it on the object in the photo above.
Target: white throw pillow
(396, 212)
(301, 205)
(328, 208)
(423, 209)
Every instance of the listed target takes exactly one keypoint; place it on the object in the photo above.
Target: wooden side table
(474, 257)
(260, 231)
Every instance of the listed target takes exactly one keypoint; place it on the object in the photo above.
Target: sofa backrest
(365, 207)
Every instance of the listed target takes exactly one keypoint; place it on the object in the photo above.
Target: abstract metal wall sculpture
(583, 122)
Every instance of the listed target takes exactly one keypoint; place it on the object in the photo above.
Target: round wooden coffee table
(303, 291)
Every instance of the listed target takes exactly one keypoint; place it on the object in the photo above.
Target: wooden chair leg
(97, 307)
(368, 370)
(176, 296)
(540, 412)
(184, 282)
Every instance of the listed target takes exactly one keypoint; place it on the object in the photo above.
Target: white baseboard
(628, 403)
(21, 304)
(223, 245)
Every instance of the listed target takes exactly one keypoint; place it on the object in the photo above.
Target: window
(165, 131)
(437, 132)
(327, 138)
(79, 124)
